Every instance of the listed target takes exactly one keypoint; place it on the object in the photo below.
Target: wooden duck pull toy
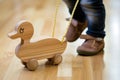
(30, 52)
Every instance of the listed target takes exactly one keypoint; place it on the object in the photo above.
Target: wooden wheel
(32, 64)
(57, 59)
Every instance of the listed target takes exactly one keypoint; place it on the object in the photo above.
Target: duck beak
(13, 35)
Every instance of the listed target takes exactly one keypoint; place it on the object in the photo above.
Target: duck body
(45, 48)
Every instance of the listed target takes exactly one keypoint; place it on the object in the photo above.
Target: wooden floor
(104, 66)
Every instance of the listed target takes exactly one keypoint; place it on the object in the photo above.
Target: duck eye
(21, 30)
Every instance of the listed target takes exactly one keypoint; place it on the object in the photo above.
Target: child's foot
(91, 46)
(74, 31)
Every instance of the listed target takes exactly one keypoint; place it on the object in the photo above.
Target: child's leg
(79, 14)
(95, 13)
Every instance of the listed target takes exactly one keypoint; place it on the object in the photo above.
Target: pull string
(58, 2)
(63, 38)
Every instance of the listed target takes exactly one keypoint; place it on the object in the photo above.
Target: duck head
(23, 30)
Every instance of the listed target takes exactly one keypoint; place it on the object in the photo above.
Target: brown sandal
(91, 45)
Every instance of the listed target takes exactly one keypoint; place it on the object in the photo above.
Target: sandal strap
(87, 37)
